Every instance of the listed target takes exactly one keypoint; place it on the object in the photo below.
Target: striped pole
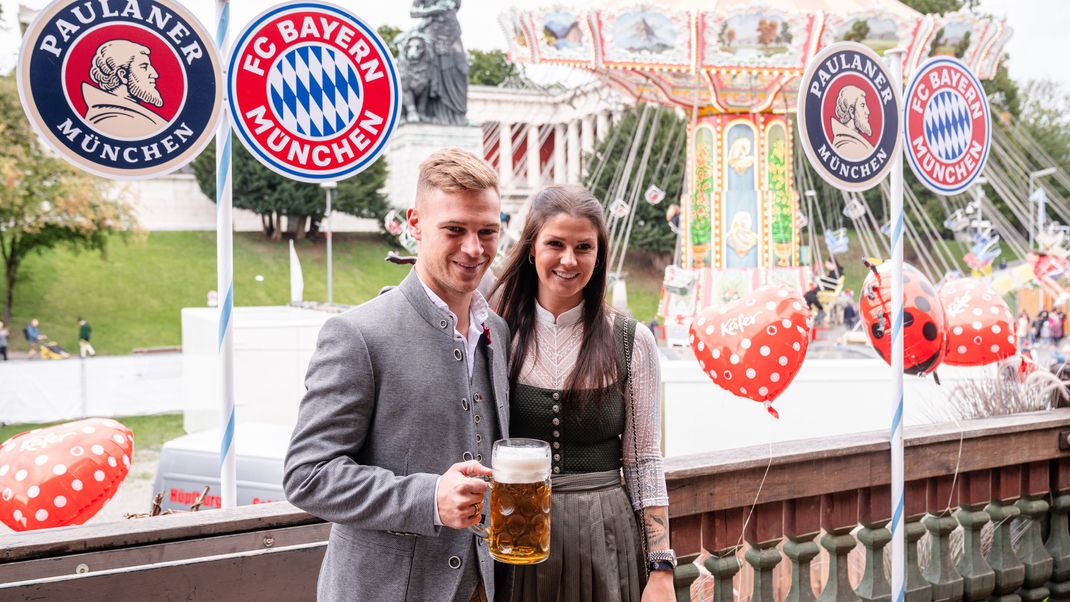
(895, 58)
(225, 273)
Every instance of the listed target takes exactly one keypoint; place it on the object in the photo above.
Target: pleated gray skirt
(595, 553)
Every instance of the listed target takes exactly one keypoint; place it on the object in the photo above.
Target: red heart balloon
(924, 325)
(753, 347)
(980, 326)
(63, 474)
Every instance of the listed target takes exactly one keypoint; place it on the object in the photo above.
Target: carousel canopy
(730, 56)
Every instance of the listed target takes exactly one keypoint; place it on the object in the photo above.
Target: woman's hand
(659, 588)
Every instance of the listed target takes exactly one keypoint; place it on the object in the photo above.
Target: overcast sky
(1037, 48)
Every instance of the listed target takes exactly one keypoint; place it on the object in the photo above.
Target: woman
(586, 380)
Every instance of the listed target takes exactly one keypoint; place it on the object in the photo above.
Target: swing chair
(836, 241)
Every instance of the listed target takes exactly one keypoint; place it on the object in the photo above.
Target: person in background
(33, 336)
(850, 312)
(1024, 332)
(84, 332)
(827, 282)
(3, 340)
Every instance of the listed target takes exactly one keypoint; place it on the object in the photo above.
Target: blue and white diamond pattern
(314, 91)
(948, 128)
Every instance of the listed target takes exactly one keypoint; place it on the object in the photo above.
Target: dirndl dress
(595, 548)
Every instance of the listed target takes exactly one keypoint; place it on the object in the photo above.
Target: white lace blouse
(549, 365)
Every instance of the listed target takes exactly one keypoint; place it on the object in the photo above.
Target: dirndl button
(557, 457)
(556, 396)
(556, 421)
(455, 562)
(557, 469)
(457, 354)
(557, 445)
(556, 408)
(557, 433)
(443, 324)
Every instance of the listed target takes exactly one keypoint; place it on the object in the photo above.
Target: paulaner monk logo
(107, 84)
(849, 116)
(313, 91)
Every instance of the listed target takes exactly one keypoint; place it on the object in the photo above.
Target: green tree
(44, 202)
(490, 68)
(272, 196)
(390, 34)
(665, 169)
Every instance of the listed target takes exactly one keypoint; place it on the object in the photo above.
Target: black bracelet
(659, 565)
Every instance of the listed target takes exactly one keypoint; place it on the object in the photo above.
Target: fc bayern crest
(947, 126)
(313, 91)
(849, 116)
(108, 84)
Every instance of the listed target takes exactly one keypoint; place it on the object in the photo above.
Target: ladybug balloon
(63, 474)
(754, 346)
(980, 327)
(924, 326)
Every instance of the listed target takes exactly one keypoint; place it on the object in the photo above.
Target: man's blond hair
(454, 170)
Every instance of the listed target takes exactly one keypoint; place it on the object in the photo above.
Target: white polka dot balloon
(980, 324)
(63, 474)
(761, 338)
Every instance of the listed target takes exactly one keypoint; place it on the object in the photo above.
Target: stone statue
(434, 66)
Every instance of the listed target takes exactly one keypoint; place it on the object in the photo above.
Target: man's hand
(460, 494)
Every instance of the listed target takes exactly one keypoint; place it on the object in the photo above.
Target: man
(84, 332)
(125, 78)
(33, 337)
(851, 125)
(406, 394)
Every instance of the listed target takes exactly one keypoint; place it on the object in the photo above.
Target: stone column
(574, 152)
(505, 155)
(559, 154)
(534, 157)
(602, 125)
(586, 141)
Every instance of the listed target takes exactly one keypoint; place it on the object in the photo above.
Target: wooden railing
(829, 496)
(818, 501)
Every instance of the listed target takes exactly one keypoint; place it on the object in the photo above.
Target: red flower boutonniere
(486, 333)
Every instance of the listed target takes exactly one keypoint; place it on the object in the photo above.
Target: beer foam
(521, 464)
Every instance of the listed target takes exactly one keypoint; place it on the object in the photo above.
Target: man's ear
(412, 216)
(123, 74)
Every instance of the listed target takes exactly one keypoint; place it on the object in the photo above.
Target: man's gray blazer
(382, 418)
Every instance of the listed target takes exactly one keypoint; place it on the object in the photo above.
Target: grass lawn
(150, 432)
(133, 295)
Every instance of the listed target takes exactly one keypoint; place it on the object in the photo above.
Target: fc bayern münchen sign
(849, 116)
(313, 91)
(109, 84)
(947, 125)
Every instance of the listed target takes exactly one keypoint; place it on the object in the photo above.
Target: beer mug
(519, 529)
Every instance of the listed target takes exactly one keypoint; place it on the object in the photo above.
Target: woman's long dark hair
(518, 287)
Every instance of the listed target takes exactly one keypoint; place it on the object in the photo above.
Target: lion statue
(415, 67)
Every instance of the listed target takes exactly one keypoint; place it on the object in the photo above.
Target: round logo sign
(849, 116)
(313, 91)
(107, 85)
(947, 125)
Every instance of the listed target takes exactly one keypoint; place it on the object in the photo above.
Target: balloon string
(757, 494)
(958, 462)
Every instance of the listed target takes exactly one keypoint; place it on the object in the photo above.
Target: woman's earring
(531, 259)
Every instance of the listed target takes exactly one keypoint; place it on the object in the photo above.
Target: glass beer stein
(519, 529)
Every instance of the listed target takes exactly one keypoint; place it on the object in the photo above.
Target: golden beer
(520, 522)
(519, 529)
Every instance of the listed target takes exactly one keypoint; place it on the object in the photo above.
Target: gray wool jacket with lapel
(385, 413)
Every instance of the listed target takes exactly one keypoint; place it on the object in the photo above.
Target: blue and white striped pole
(225, 273)
(895, 58)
